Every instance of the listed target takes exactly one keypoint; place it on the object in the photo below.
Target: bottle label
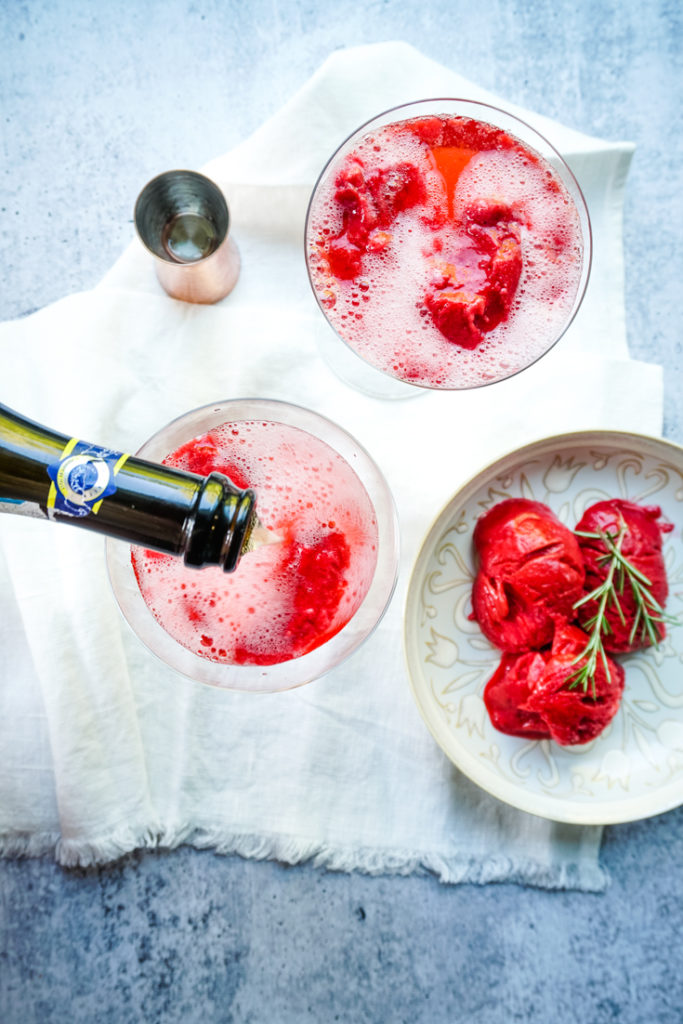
(83, 478)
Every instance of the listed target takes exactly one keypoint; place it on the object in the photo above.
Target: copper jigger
(182, 218)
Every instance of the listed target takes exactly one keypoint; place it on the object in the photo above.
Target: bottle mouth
(237, 524)
(221, 523)
(224, 525)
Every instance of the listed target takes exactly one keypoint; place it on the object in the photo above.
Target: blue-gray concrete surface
(95, 99)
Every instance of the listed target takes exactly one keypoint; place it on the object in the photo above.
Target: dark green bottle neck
(204, 519)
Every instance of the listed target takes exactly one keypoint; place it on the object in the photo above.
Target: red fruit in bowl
(642, 546)
(531, 694)
(509, 689)
(574, 715)
(530, 574)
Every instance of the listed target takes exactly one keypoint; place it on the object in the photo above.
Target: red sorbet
(530, 574)
(642, 546)
(206, 455)
(474, 287)
(530, 694)
(319, 572)
(369, 203)
(508, 691)
(574, 715)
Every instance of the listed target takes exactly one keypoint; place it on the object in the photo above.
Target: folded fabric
(105, 749)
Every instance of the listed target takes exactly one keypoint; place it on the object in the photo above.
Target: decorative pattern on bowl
(635, 767)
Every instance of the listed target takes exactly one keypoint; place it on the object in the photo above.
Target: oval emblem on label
(83, 478)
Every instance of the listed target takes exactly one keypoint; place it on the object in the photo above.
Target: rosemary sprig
(649, 614)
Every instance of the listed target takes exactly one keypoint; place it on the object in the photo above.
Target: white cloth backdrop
(103, 749)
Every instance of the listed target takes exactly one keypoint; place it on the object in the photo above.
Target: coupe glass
(299, 670)
(373, 357)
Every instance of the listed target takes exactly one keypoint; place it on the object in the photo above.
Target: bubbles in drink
(444, 251)
(284, 599)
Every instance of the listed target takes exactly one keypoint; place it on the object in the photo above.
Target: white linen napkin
(103, 748)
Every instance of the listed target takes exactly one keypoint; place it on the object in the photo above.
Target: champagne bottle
(206, 520)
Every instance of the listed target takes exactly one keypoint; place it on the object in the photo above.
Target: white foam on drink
(379, 313)
(304, 489)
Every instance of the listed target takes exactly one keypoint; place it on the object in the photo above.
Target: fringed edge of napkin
(17, 844)
(450, 869)
(455, 869)
(72, 853)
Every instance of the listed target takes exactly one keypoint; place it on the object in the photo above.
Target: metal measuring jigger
(182, 218)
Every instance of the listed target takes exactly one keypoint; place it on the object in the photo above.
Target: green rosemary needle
(649, 614)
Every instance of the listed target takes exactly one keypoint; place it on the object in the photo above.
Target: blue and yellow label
(84, 476)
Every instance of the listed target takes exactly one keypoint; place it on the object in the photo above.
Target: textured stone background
(95, 100)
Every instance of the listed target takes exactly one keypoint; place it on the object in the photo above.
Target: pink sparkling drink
(288, 597)
(305, 600)
(445, 249)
